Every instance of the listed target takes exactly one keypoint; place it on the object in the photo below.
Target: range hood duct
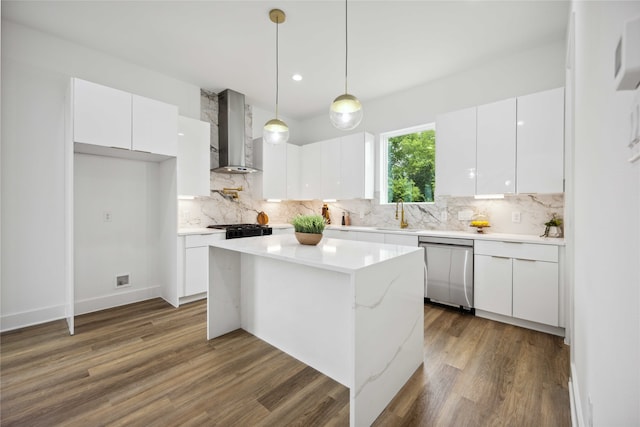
(231, 136)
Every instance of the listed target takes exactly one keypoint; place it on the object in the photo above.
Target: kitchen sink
(404, 230)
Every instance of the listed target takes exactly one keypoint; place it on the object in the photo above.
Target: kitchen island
(351, 310)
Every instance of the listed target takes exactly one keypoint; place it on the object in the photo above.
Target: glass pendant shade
(275, 132)
(346, 112)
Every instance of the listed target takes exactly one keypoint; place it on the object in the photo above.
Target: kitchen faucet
(403, 223)
(233, 192)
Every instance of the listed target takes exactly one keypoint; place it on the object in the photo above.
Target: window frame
(384, 159)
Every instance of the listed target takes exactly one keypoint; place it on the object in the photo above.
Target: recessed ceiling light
(297, 77)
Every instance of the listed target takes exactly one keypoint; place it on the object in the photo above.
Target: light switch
(106, 216)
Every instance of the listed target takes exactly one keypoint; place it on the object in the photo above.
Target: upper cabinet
(311, 173)
(101, 115)
(330, 177)
(338, 168)
(107, 117)
(356, 167)
(193, 157)
(506, 147)
(540, 153)
(154, 126)
(496, 148)
(456, 153)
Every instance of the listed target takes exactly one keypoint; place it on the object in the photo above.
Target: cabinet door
(496, 148)
(540, 153)
(535, 291)
(401, 239)
(274, 171)
(193, 157)
(196, 270)
(356, 166)
(492, 284)
(311, 171)
(369, 237)
(456, 153)
(101, 115)
(155, 126)
(330, 169)
(293, 172)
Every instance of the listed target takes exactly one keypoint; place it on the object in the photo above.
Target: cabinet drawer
(196, 240)
(517, 250)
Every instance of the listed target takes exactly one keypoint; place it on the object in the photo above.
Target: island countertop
(340, 255)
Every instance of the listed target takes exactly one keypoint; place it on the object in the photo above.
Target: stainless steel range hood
(231, 136)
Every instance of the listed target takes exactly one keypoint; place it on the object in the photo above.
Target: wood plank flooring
(149, 364)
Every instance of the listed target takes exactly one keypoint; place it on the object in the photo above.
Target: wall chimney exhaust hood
(231, 135)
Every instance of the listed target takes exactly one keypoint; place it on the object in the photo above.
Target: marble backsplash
(534, 210)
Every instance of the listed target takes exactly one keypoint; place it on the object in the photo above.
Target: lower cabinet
(366, 236)
(520, 280)
(193, 263)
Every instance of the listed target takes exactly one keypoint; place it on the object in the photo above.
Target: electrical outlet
(106, 216)
(361, 214)
(443, 215)
(515, 217)
(465, 215)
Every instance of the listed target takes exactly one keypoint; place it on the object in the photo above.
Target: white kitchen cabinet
(107, 117)
(535, 291)
(518, 280)
(364, 236)
(274, 171)
(401, 239)
(193, 157)
(357, 166)
(496, 148)
(193, 263)
(154, 126)
(330, 169)
(101, 115)
(293, 172)
(456, 153)
(493, 284)
(311, 173)
(196, 272)
(540, 135)
(333, 233)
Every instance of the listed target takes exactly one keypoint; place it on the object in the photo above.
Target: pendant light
(275, 130)
(346, 111)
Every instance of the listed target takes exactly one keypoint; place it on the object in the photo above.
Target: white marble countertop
(487, 235)
(191, 231)
(345, 256)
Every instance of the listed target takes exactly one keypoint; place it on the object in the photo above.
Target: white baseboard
(192, 298)
(576, 402)
(10, 322)
(90, 305)
(522, 323)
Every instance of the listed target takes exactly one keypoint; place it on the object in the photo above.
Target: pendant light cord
(346, 45)
(277, 66)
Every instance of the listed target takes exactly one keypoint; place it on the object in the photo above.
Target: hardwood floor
(150, 364)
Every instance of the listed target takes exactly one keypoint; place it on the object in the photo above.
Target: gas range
(235, 231)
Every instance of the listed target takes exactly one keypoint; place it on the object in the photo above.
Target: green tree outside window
(412, 167)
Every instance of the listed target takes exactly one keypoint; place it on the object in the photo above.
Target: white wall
(127, 244)
(35, 72)
(527, 72)
(606, 339)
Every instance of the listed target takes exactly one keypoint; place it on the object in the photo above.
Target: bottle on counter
(344, 219)
(325, 214)
(348, 219)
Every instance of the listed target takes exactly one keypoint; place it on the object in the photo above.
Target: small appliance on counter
(235, 231)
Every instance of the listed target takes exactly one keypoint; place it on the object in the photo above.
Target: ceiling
(393, 45)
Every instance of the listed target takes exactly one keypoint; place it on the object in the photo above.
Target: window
(408, 165)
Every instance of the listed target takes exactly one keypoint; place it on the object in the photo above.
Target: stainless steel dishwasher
(449, 278)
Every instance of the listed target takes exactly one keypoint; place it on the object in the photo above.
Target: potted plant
(308, 228)
(553, 227)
